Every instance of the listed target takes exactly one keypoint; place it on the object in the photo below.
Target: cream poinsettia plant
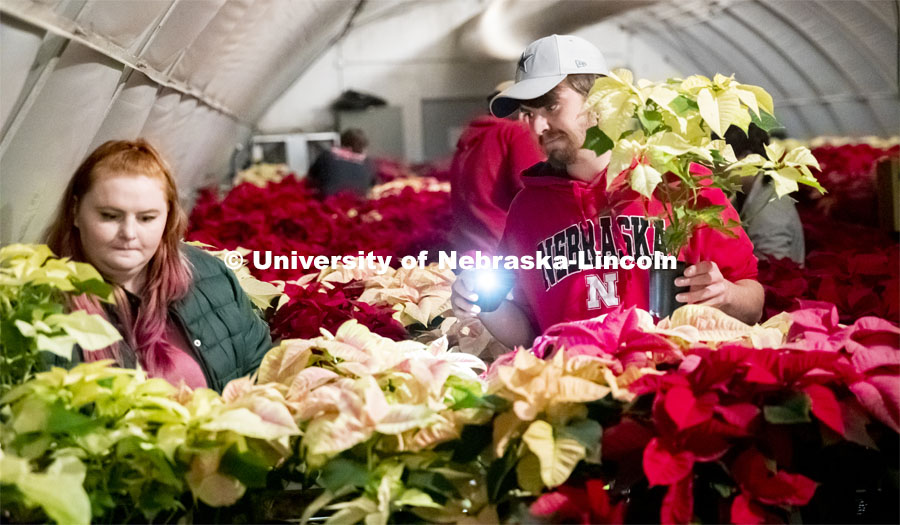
(261, 293)
(371, 409)
(262, 174)
(547, 429)
(417, 295)
(660, 135)
(395, 187)
(697, 323)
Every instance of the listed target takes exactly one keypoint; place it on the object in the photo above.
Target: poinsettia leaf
(687, 410)
(499, 478)
(651, 120)
(709, 110)
(62, 345)
(552, 503)
(95, 286)
(678, 503)
(765, 121)
(245, 466)
(739, 414)
(557, 455)
(872, 358)
(825, 407)
(268, 420)
(880, 399)
(725, 491)
(664, 466)
(283, 362)
(763, 98)
(855, 422)
(587, 432)
(434, 483)
(623, 156)
(613, 100)
(745, 511)
(528, 474)
(757, 476)
(59, 490)
(644, 178)
(597, 141)
(785, 180)
(625, 437)
(211, 486)
(90, 331)
(793, 410)
(416, 498)
(682, 105)
(402, 417)
(340, 472)
(62, 420)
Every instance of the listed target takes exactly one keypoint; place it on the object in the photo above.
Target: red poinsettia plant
(587, 504)
(738, 428)
(848, 173)
(732, 433)
(850, 261)
(287, 218)
(318, 305)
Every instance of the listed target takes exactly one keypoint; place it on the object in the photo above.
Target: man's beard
(564, 150)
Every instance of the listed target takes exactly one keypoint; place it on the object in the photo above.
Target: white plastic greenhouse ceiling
(450, 261)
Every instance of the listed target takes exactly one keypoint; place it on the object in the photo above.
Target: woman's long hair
(168, 272)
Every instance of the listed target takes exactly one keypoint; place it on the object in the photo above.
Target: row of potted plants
(366, 410)
(698, 418)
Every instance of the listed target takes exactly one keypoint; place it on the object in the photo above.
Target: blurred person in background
(772, 224)
(485, 175)
(345, 167)
(181, 312)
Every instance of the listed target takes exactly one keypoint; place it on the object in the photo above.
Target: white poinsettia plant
(372, 411)
(661, 138)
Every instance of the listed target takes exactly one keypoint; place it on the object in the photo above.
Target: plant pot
(663, 290)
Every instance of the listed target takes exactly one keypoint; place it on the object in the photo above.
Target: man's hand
(462, 297)
(508, 323)
(707, 285)
(742, 299)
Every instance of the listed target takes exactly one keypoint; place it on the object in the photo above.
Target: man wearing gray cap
(566, 210)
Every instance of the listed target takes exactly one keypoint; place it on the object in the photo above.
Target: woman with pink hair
(181, 312)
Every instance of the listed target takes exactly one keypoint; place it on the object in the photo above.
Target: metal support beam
(39, 15)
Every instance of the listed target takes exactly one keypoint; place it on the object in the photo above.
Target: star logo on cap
(524, 62)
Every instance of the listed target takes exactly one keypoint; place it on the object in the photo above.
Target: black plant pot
(663, 290)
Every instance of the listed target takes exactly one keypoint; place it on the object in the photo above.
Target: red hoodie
(557, 215)
(485, 176)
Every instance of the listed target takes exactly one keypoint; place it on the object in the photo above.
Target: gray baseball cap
(544, 64)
